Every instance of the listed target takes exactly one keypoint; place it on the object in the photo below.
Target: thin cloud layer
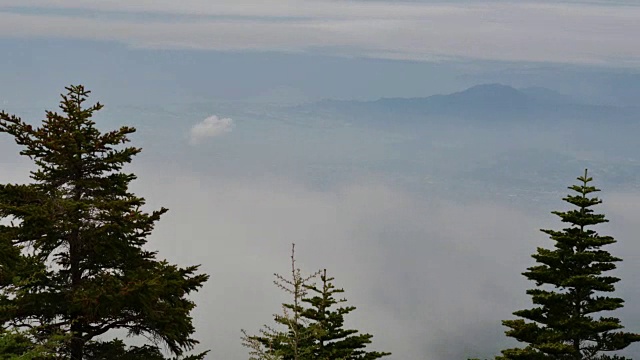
(565, 32)
(431, 279)
(210, 127)
(409, 277)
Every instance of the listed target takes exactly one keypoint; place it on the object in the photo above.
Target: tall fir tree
(333, 342)
(73, 253)
(295, 342)
(570, 280)
(312, 332)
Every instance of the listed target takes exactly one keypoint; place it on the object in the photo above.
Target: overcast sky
(301, 50)
(431, 276)
(569, 32)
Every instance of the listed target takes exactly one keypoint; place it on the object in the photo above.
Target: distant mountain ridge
(484, 101)
(494, 92)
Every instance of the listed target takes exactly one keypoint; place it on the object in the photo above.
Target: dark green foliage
(332, 341)
(14, 344)
(313, 332)
(562, 326)
(116, 349)
(21, 345)
(296, 342)
(72, 259)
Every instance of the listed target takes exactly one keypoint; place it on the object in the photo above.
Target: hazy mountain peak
(490, 102)
(490, 95)
(489, 88)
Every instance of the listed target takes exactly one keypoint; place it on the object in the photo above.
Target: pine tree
(296, 341)
(75, 262)
(333, 342)
(313, 332)
(562, 326)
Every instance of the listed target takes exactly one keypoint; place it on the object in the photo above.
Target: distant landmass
(486, 101)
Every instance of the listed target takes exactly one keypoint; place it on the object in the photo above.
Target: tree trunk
(77, 344)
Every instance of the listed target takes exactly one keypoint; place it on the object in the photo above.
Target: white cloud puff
(210, 127)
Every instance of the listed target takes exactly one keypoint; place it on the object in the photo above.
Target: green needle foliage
(313, 332)
(296, 342)
(562, 325)
(20, 345)
(72, 241)
(332, 340)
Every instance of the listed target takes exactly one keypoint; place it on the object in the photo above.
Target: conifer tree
(570, 280)
(296, 341)
(313, 332)
(73, 255)
(332, 340)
